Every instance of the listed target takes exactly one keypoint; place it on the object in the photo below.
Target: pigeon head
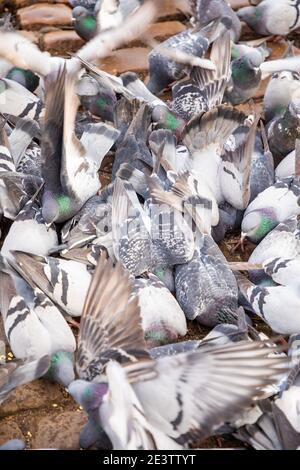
(165, 119)
(56, 208)
(26, 78)
(85, 23)
(250, 15)
(61, 368)
(158, 334)
(258, 223)
(89, 395)
(244, 68)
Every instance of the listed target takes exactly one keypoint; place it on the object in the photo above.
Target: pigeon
(162, 318)
(92, 221)
(204, 137)
(99, 100)
(22, 144)
(133, 149)
(269, 302)
(283, 131)
(70, 166)
(245, 78)
(118, 387)
(35, 328)
(29, 233)
(283, 88)
(274, 205)
(16, 373)
(85, 23)
(286, 167)
(146, 240)
(220, 334)
(278, 425)
(272, 18)
(65, 282)
(17, 101)
(139, 90)
(163, 71)
(283, 241)
(204, 89)
(202, 292)
(26, 78)
(262, 164)
(205, 11)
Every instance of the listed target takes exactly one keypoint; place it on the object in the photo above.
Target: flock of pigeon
(137, 258)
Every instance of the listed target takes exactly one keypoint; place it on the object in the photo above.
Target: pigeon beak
(242, 240)
(48, 226)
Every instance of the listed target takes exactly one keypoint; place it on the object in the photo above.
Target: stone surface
(173, 8)
(161, 31)
(134, 59)
(33, 36)
(35, 395)
(236, 4)
(62, 41)
(27, 3)
(60, 431)
(44, 14)
(9, 430)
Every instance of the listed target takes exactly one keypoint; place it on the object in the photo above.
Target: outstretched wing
(111, 323)
(187, 396)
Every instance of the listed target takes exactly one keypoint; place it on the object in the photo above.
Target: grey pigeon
(70, 168)
(150, 238)
(272, 18)
(284, 130)
(274, 205)
(18, 101)
(16, 373)
(85, 22)
(162, 318)
(246, 77)
(207, 10)
(204, 89)
(29, 233)
(196, 42)
(65, 282)
(133, 387)
(281, 90)
(35, 328)
(268, 302)
(206, 288)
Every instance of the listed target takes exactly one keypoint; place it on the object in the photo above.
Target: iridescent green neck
(64, 204)
(101, 102)
(89, 23)
(266, 225)
(171, 122)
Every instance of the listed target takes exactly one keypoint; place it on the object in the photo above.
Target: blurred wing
(191, 394)
(111, 323)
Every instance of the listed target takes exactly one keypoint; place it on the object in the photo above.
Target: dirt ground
(41, 413)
